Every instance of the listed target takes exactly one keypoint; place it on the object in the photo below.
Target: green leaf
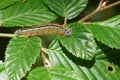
(112, 22)
(88, 70)
(21, 53)
(3, 75)
(81, 43)
(100, 55)
(26, 14)
(66, 8)
(5, 3)
(53, 74)
(1, 66)
(107, 35)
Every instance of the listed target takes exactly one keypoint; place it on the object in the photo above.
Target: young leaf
(93, 70)
(21, 53)
(26, 14)
(53, 74)
(107, 35)
(81, 43)
(66, 8)
(5, 3)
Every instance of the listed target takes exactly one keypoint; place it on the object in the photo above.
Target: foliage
(26, 14)
(19, 58)
(66, 9)
(91, 52)
(6, 3)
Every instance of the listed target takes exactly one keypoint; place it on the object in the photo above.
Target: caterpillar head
(68, 32)
(17, 33)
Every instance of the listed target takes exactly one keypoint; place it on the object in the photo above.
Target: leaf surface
(112, 22)
(53, 74)
(6, 3)
(97, 69)
(81, 43)
(21, 53)
(3, 75)
(66, 8)
(107, 35)
(26, 14)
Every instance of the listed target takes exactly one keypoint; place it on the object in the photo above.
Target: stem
(65, 22)
(44, 50)
(7, 35)
(98, 9)
(46, 61)
(111, 5)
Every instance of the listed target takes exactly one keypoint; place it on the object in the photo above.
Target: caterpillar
(42, 30)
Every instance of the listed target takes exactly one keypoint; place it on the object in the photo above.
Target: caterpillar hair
(42, 30)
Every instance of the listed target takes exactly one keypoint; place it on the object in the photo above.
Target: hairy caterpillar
(42, 30)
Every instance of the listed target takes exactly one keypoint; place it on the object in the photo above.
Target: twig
(65, 22)
(7, 35)
(101, 7)
(111, 5)
(44, 50)
(46, 61)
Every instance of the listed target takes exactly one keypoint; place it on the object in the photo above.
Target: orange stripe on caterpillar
(42, 30)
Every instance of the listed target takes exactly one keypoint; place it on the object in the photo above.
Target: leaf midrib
(19, 55)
